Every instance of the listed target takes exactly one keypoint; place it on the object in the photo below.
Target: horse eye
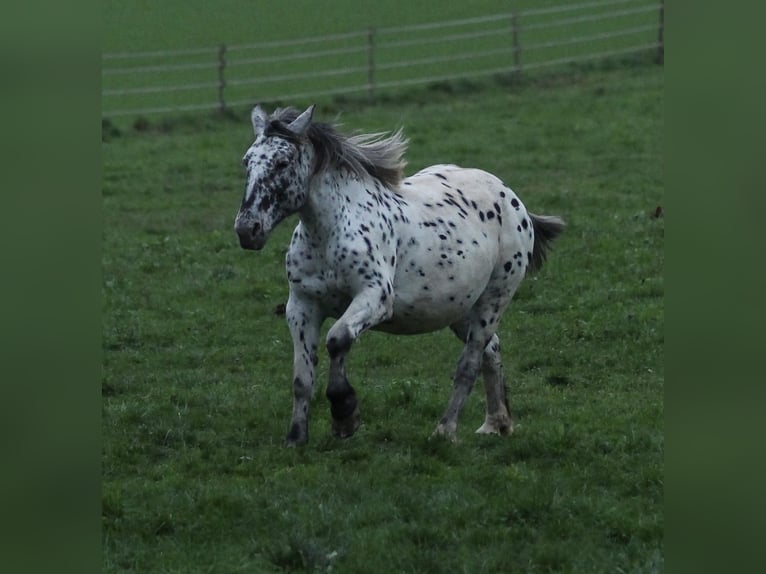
(281, 164)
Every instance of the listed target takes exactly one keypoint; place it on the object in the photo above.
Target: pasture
(197, 359)
(200, 56)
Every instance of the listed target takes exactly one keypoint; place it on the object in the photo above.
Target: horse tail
(547, 228)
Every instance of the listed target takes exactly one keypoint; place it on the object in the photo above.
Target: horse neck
(329, 197)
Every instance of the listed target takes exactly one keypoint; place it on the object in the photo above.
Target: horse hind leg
(468, 367)
(465, 376)
(498, 419)
(481, 354)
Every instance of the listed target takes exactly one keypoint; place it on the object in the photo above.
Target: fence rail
(229, 76)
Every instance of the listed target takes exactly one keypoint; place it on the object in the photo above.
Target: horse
(445, 247)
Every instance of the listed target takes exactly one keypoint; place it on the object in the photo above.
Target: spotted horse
(445, 247)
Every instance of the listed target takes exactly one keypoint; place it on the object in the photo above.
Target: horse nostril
(256, 228)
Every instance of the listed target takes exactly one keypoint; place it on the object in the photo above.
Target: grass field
(176, 24)
(161, 56)
(197, 364)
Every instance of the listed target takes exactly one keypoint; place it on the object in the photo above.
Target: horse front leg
(366, 310)
(344, 407)
(304, 320)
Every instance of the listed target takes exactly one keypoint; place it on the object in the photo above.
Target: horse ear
(259, 119)
(300, 125)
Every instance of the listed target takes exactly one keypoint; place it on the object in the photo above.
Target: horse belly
(429, 300)
(423, 317)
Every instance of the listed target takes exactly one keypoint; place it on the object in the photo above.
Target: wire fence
(377, 59)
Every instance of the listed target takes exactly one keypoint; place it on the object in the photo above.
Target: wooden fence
(377, 59)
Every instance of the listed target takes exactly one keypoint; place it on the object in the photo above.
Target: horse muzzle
(251, 235)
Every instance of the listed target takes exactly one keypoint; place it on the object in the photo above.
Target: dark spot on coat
(340, 344)
(265, 203)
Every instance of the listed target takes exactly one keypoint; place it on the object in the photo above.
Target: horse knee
(339, 340)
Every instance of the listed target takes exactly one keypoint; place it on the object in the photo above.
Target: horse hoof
(294, 443)
(499, 427)
(345, 428)
(445, 432)
(297, 436)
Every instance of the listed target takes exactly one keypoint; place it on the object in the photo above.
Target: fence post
(221, 79)
(516, 43)
(371, 62)
(661, 35)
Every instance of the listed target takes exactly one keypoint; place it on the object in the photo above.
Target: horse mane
(379, 154)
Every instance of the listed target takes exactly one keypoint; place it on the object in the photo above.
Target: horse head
(278, 165)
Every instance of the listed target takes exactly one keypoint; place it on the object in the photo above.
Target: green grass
(176, 24)
(338, 64)
(197, 364)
